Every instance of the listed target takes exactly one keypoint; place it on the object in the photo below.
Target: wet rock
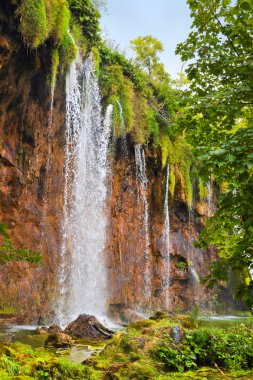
(54, 329)
(88, 327)
(41, 330)
(59, 339)
(177, 333)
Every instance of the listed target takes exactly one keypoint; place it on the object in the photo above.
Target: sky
(167, 20)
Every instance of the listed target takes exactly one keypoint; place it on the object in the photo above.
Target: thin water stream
(167, 239)
(142, 186)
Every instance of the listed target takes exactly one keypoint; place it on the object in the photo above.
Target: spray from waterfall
(82, 275)
(167, 238)
(142, 183)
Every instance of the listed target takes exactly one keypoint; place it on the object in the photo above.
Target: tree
(9, 253)
(147, 49)
(219, 124)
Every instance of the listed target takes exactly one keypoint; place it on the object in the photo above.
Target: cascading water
(191, 250)
(167, 238)
(82, 275)
(142, 183)
(123, 131)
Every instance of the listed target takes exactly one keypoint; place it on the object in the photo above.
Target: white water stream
(142, 184)
(82, 275)
(167, 238)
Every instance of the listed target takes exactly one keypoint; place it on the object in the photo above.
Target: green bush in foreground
(149, 350)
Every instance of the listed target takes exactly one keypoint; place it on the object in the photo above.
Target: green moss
(140, 131)
(42, 20)
(147, 350)
(96, 59)
(33, 22)
(203, 190)
(62, 20)
(119, 92)
(153, 127)
(78, 37)
(67, 50)
(178, 154)
(88, 18)
(7, 309)
(143, 370)
(54, 67)
(19, 361)
(172, 181)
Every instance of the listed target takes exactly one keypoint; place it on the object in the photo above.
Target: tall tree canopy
(219, 124)
(147, 51)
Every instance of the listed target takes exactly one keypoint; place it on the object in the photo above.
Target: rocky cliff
(31, 166)
(31, 200)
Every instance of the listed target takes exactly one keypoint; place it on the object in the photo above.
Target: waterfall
(82, 274)
(167, 237)
(122, 131)
(142, 183)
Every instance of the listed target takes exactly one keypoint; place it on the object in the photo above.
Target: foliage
(88, 17)
(181, 265)
(118, 91)
(203, 190)
(147, 350)
(203, 346)
(9, 253)
(220, 46)
(178, 154)
(110, 57)
(54, 67)
(150, 108)
(220, 125)
(47, 20)
(68, 49)
(33, 22)
(147, 49)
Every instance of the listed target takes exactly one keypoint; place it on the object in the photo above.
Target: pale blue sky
(167, 20)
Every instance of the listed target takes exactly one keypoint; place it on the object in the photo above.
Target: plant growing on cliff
(88, 17)
(47, 20)
(8, 252)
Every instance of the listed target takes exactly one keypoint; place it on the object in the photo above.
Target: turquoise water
(225, 321)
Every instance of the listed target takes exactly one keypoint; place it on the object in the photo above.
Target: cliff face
(31, 201)
(28, 171)
(174, 284)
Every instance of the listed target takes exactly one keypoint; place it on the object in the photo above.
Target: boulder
(58, 340)
(88, 327)
(54, 329)
(41, 330)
